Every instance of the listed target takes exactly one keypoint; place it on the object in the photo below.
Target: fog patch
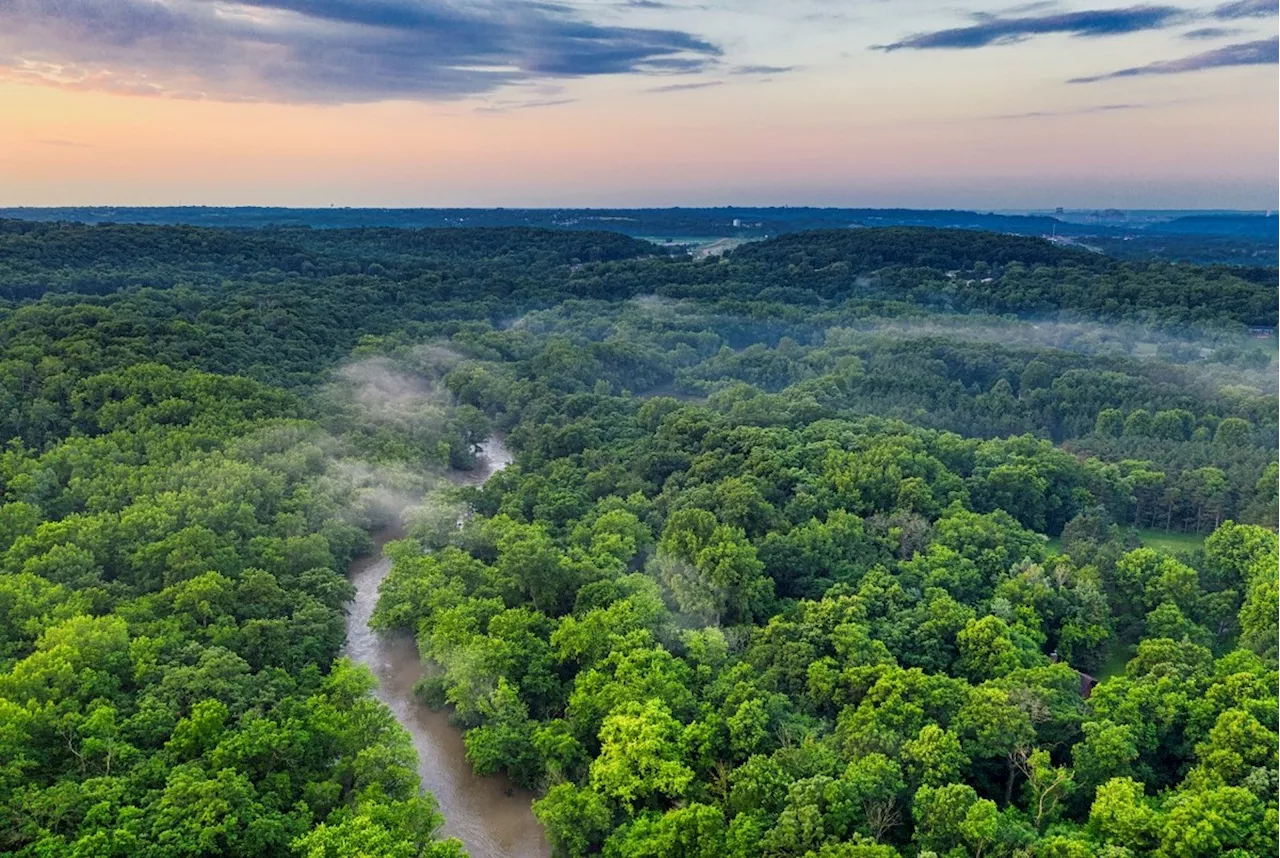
(436, 517)
(392, 387)
(377, 453)
(375, 495)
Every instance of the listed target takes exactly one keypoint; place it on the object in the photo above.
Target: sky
(395, 103)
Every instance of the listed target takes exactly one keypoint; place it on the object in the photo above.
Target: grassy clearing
(1172, 542)
(1116, 661)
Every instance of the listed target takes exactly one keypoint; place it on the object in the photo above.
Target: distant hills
(1220, 237)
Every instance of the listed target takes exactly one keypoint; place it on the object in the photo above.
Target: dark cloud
(993, 30)
(1264, 52)
(327, 51)
(1246, 9)
(1203, 33)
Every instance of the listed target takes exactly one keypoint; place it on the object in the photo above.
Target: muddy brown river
(487, 814)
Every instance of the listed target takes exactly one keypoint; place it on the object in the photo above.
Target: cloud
(1081, 111)
(508, 106)
(1203, 33)
(993, 30)
(763, 69)
(1245, 9)
(65, 144)
(680, 87)
(1263, 52)
(324, 51)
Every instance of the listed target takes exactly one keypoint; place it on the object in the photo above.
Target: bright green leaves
(935, 757)
(380, 828)
(639, 755)
(953, 816)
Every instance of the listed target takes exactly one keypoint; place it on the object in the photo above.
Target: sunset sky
(638, 102)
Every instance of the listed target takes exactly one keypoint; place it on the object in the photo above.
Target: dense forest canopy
(816, 549)
(1239, 238)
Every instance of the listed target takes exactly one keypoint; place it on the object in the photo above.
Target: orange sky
(978, 132)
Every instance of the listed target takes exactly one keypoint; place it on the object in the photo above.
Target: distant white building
(737, 222)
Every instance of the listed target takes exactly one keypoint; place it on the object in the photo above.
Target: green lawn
(1172, 542)
(1119, 657)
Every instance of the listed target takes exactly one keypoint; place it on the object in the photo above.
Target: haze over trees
(804, 552)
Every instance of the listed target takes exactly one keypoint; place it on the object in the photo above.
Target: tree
(935, 757)
(1109, 751)
(697, 831)
(1206, 488)
(575, 819)
(874, 784)
(1233, 431)
(1019, 490)
(1047, 786)
(1037, 376)
(1121, 816)
(953, 816)
(377, 828)
(1258, 629)
(1173, 425)
(1262, 509)
(1238, 747)
(639, 755)
(986, 650)
(17, 519)
(1216, 822)
(1110, 423)
(1147, 486)
(1138, 424)
(527, 554)
(711, 569)
(992, 726)
(857, 847)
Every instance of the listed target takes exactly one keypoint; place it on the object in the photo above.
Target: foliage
(769, 575)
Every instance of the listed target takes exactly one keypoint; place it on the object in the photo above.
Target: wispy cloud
(325, 51)
(1204, 33)
(508, 107)
(763, 69)
(1246, 9)
(994, 30)
(65, 144)
(1079, 111)
(1263, 52)
(680, 87)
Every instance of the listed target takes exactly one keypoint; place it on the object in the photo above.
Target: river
(488, 814)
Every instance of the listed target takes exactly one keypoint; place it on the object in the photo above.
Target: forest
(881, 543)
(1239, 238)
